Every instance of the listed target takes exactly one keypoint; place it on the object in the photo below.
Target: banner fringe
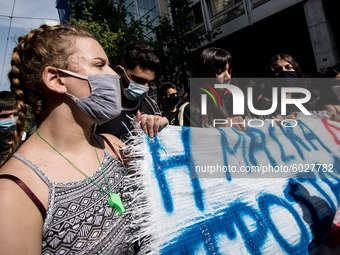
(142, 221)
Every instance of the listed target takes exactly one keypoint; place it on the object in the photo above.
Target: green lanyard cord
(79, 168)
(101, 165)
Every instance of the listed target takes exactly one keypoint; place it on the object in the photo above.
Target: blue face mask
(8, 125)
(135, 91)
(104, 103)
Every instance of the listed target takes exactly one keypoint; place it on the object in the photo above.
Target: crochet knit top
(79, 219)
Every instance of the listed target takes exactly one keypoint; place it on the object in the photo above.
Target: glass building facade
(145, 10)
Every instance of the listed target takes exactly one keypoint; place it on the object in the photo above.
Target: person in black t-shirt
(136, 70)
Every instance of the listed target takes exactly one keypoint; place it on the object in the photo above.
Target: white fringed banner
(270, 190)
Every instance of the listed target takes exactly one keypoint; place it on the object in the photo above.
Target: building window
(196, 23)
(256, 3)
(197, 13)
(223, 11)
(218, 6)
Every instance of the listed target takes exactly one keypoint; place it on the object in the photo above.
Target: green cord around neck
(79, 168)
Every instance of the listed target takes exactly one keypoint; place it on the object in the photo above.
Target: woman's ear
(53, 81)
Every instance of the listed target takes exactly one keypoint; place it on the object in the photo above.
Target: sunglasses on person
(7, 115)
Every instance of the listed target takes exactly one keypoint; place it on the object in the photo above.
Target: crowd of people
(282, 71)
(85, 111)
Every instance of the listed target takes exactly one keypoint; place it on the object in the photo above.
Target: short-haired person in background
(168, 98)
(137, 69)
(8, 118)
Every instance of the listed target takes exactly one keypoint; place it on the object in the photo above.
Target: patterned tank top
(79, 219)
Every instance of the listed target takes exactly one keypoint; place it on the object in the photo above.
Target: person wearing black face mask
(287, 71)
(289, 78)
(168, 98)
(286, 67)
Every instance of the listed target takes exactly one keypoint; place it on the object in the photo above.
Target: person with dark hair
(65, 190)
(136, 71)
(284, 65)
(213, 63)
(7, 102)
(140, 56)
(288, 70)
(168, 98)
(8, 118)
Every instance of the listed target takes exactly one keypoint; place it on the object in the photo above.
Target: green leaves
(108, 39)
(110, 22)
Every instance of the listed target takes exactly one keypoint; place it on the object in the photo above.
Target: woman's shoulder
(115, 141)
(10, 175)
(111, 143)
(15, 208)
(21, 167)
(15, 167)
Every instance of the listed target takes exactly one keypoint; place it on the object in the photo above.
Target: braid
(42, 47)
(20, 105)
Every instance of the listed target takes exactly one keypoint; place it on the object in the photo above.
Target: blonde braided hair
(41, 47)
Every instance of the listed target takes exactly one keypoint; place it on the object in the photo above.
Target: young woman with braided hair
(64, 190)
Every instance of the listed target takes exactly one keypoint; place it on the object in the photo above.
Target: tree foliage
(176, 39)
(110, 22)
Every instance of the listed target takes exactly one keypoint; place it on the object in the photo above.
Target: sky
(36, 12)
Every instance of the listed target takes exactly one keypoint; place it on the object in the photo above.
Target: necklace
(114, 200)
